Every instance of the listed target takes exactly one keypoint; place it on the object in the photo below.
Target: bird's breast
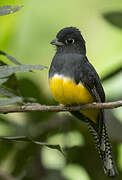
(67, 92)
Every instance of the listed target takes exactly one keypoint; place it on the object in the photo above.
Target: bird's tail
(104, 148)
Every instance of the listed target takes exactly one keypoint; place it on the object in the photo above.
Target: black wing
(86, 73)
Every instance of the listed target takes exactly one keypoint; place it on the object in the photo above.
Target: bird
(73, 81)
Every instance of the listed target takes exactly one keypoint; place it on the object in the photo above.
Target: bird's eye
(69, 41)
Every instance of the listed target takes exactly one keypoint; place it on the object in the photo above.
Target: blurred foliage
(26, 35)
(115, 18)
(5, 10)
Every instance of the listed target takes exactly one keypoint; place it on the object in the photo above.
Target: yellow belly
(66, 92)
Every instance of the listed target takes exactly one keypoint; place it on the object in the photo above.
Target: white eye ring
(69, 41)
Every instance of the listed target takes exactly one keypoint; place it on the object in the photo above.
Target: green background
(26, 35)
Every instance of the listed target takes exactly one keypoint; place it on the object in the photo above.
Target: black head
(69, 38)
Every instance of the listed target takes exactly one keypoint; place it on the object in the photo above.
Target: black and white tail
(104, 148)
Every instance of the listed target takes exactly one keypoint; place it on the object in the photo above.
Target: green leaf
(5, 92)
(13, 100)
(13, 97)
(3, 80)
(52, 146)
(31, 140)
(112, 73)
(12, 59)
(5, 10)
(7, 70)
(115, 18)
(5, 150)
(12, 84)
(9, 85)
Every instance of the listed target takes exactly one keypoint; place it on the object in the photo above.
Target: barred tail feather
(104, 148)
(108, 161)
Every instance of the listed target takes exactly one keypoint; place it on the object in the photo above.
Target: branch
(44, 108)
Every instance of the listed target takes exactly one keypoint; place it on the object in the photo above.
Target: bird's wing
(87, 75)
(91, 80)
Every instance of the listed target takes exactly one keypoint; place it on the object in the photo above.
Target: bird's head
(69, 38)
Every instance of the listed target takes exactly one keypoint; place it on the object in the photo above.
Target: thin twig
(45, 108)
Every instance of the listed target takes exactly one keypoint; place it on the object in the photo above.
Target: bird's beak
(56, 42)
